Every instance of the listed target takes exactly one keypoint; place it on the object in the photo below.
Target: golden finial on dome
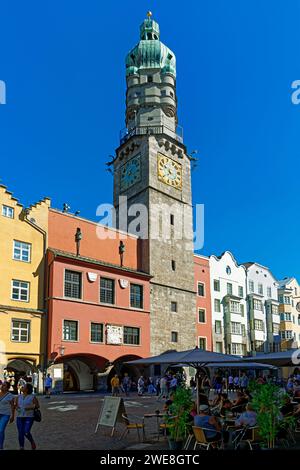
(149, 14)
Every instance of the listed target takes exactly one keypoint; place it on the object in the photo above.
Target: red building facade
(98, 310)
(203, 303)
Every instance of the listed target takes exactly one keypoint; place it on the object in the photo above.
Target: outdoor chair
(253, 438)
(165, 426)
(131, 425)
(201, 440)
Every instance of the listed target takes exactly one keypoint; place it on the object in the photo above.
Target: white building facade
(230, 332)
(262, 309)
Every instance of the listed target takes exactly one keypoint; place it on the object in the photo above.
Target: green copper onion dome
(150, 52)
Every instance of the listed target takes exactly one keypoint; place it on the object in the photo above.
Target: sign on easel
(111, 412)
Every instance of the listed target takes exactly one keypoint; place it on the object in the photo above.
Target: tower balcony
(125, 133)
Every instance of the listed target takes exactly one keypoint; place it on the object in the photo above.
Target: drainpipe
(45, 322)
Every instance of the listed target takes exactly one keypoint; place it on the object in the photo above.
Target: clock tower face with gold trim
(169, 171)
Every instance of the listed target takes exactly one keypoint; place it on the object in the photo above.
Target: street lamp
(61, 350)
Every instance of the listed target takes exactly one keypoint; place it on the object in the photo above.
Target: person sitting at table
(226, 406)
(290, 385)
(247, 418)
(240, 401)
(219, 399)
(212, 428)
(203, 399)
(287, 408)
(296, 389)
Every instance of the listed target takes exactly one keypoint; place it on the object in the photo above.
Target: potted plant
(179, 418)
(267, 401)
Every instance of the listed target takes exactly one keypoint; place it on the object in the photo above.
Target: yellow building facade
(23, 242)
(289, 308)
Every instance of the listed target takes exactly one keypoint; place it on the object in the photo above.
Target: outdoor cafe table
(158, 416)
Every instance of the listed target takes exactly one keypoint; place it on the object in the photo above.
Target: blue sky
(63, 64)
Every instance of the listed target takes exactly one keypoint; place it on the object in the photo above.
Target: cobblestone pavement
(69, 421)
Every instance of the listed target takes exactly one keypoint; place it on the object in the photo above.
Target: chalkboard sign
(111, 412)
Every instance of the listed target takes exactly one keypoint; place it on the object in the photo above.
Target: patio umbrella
(241, 365)
(196, 358)
(279, 359)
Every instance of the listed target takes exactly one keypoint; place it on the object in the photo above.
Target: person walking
(48, 385)
(126, 383)
(20, 384)
(164, 393)
(115, 385)
(35, 382)
(141, 385)
(25, 405)
(244, 382)
(7, 410)
(230, 383)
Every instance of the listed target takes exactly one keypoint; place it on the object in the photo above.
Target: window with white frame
(269, 292)
(241, 291)
(286, 334)
(236, 348)
(235, 307)
(136, 296)
(280, 298)
(285, 316)
(219, 347)
(287, 300)
(243, 330)
(202, 343)
(72, 284)
(276, 328)
(217, 305)
(259, 346)
(22, 251)
(216, 285)
(8, 211)
(275, 309)
(20, 331)
(70, 330)
(201, 315)
(251, 286)
(229, 288)
(218, 327)
(96, 333)
(258, 325)
(131, 335)
(201, 289)
(107, 290)
(257, 304)
(20, 291)
(236, 328)
(260, 289)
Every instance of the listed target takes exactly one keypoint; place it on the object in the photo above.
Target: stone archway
(19, 367)
(80, 372)
(119, 367)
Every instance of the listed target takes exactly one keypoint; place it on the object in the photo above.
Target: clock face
(169, 171)
(130, 173)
